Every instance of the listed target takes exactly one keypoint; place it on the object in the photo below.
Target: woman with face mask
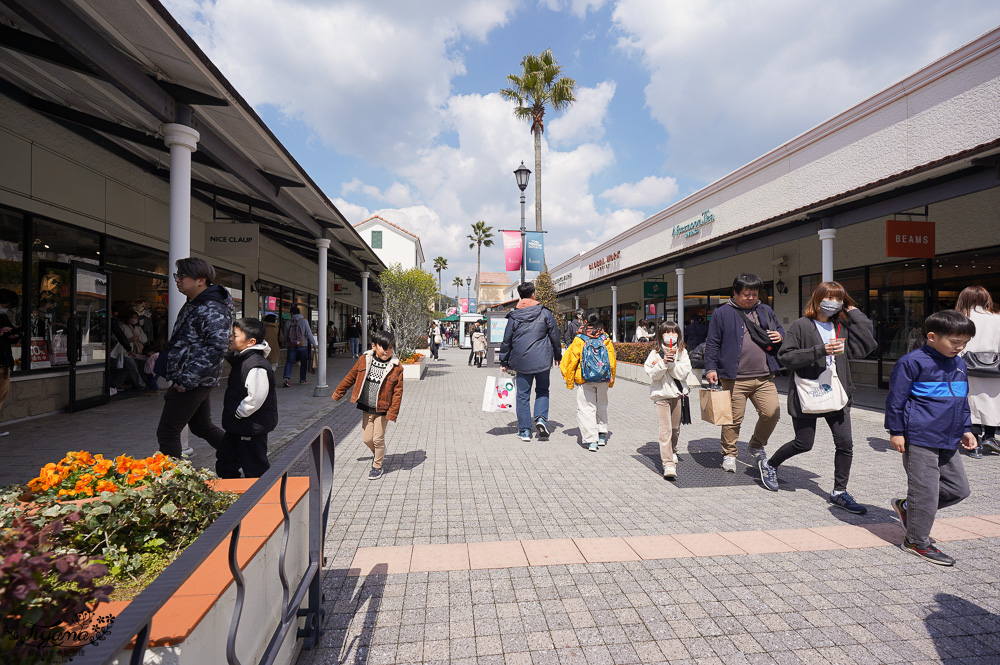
(670, 375)
(832, 332)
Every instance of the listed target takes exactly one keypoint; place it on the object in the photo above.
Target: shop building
(392, 243)
(124, 148)
(897, 198)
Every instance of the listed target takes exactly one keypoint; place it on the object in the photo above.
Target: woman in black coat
(832, 332)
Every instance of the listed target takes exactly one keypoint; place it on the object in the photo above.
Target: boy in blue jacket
(927, 415)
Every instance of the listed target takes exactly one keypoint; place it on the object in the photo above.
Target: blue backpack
(594, 363)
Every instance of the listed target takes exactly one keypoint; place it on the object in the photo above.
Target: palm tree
(481, 235)
(458, 282)
(440, 263)
(539, 84)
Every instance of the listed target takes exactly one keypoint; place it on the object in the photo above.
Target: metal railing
(135, 620)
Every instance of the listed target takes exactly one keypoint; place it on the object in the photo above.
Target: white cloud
(650, 192)
(370, 79)
(584, 120)
(731, 79)
(397, 193)
(578, 8)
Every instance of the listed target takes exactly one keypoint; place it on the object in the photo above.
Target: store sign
(240, 240)
(563, 282)
(652, 290)
(340, 289)
(607, 265)
(39, 352)
(911, 240)
(692, 228)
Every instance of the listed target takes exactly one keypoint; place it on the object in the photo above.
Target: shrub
(48, 597)
(80, 474)
(633, 352)
(422, 343)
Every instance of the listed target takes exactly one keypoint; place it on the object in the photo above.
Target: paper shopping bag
(498, 395)
(717, 407)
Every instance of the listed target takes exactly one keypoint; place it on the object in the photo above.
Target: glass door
(88, 354)
(900, 324)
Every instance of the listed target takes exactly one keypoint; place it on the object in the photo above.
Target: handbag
(983, 363)
(824, 394)
(499, 393)
(717, 406)
(685, 404)
(758, 334)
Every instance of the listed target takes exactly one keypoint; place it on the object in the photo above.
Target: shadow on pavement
(404, 461)
(955, 625)
(879, 445)
(350, 594)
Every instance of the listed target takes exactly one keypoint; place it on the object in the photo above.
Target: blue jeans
(524, 381)
(354, 343)
(300, 353)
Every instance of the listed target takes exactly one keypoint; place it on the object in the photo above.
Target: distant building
(490, 289)
(392, 243)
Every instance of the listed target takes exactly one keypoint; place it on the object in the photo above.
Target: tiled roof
(386, 221)
(494, 278)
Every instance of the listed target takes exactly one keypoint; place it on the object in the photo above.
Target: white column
(614, 313)
(364, 311)
(576, 304)
(826, 237)
(680, 297)
(322, 244)
(182, 141)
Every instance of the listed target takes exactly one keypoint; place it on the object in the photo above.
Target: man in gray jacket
(530, 347)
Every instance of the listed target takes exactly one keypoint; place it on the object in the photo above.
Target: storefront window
(232, 282)
(901, 273)
(54, 247)
(119, 253)
(268, 300)
(12, 269)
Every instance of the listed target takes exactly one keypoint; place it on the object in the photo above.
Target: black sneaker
(374, 474)
(991, 445)
(847, 502)
(928, 553)
(897, 505)
(542, 428)
(768, 475)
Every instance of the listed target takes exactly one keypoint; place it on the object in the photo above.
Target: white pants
(592, 410)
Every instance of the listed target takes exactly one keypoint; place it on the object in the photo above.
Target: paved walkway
(444, 558)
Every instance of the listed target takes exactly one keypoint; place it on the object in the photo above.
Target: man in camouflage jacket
(192, 359)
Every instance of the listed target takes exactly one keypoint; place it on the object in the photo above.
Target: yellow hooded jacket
(570, 364)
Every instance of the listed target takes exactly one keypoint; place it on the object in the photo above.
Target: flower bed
(414, 366)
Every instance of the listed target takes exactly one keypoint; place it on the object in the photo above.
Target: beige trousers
(668, 412)
(592, 410)
(763, 394)
(373, 434)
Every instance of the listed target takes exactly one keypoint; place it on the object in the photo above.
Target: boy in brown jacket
(377, 378)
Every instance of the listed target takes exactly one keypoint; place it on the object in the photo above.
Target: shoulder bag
(823, 394)
(758, 334)
(983, 364)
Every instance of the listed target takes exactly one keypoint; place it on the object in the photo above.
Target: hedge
(633, 352)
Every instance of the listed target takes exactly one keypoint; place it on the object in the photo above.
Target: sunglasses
(179, 275)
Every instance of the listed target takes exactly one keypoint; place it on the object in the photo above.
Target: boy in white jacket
(669, 370)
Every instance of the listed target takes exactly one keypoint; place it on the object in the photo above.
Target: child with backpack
(588, 366)
(669, 370)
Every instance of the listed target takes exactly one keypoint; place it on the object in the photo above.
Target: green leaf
(52, 510)
(168, 509)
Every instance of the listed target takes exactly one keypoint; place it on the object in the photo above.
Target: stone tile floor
(456, 475)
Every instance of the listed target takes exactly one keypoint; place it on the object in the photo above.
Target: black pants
(192, 408)
(805, 434)
(984, 431)
(434, 350)
(246, 452)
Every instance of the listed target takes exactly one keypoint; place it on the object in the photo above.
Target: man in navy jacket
(745, 366)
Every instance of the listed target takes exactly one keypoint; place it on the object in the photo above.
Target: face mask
(830, 307)
(670, 340)
(132, 322)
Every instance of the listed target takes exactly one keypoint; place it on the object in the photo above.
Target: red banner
(911, 240)
(512, 250)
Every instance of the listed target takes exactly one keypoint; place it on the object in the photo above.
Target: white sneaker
(112, 392)
(729, 464)
(676, 459)
(4, 433)
(187, 452)
(670, 471)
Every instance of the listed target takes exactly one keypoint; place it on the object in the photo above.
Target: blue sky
(392, 106)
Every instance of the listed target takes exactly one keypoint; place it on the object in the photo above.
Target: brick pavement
(455, 475)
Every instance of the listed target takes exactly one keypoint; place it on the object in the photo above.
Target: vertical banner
(463, 305)
(535, 255)
(512, 250)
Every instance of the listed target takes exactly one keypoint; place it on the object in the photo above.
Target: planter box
(631, 372)
(414, 371)
(191, 628)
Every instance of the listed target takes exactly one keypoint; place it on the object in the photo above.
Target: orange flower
(122, 463)
(106, 486)
(102, 467)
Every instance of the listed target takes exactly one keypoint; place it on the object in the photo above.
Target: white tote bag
(821, 395)
(499, 393)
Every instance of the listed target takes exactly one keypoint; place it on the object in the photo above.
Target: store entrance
(139, 297)
(899, 328)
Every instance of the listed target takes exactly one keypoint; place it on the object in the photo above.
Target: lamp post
(468, 296)
(521, 173)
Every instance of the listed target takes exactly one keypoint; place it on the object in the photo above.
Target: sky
(393, 106)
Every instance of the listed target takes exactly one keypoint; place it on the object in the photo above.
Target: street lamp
(468, 297)
(521, 173)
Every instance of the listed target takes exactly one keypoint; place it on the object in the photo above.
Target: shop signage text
(606, 265)
(563, 281)
(240, 240)
(906, 239)
(654, 289)
(692, 228)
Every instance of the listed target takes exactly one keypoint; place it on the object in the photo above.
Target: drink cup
(841, 341)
